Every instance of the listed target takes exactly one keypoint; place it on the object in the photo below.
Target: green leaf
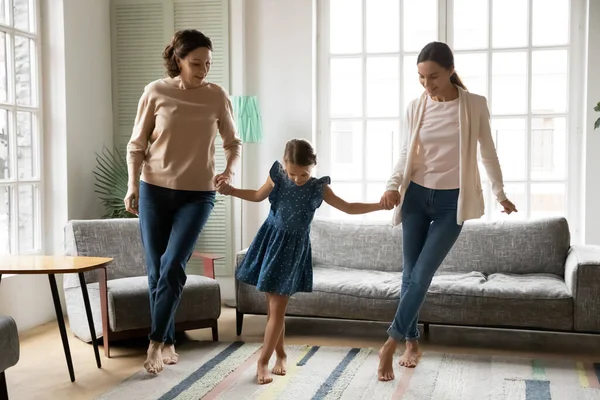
(111, 183)
(597, 108)
(597, 124)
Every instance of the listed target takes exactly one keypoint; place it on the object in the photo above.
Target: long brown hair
(441, 54)
(183, 42)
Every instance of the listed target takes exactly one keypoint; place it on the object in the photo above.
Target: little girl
(279, 260)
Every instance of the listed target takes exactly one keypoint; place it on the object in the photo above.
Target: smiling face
(434, 78)
(297, 173)
(195, 66)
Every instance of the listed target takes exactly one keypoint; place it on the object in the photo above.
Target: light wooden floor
(42, 372)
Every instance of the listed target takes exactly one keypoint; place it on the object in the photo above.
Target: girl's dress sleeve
(276, 174)
(317, 198)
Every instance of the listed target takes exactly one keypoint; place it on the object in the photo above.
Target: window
(20, 141)
(517, 53)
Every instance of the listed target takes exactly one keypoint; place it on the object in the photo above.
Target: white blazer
(474, 126)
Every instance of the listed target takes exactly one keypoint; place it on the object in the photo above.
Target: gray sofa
(507, 274)
(126, 298)
(9, 350)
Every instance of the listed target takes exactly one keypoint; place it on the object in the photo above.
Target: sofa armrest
(9, 343)
(582, 276)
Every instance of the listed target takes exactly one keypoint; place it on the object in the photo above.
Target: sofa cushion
(129, 307)
(534, 300)
(9, 342)
(530, 300)
(368, 246)
(520, 247)
(510, 286)
(119, 239)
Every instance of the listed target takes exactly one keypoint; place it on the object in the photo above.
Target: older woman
(172, 146)
(435, 187)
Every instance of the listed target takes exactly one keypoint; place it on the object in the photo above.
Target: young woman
(435, 187)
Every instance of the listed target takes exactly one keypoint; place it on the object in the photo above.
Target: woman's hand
(225, 188)
(224, 177)
(390, 199)
(132, 199)
(508, 206)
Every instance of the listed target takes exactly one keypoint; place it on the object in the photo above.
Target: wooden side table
(208, 261)
(51, 265)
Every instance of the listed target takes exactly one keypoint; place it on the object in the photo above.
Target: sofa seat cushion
(511, 300)
(9, 342)
(356, 282)
(528, 300)
(337, 293)
(512, 286)
(129, 307)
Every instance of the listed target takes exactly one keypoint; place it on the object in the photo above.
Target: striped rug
(227, 371)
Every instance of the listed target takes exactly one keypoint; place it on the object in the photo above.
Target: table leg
(61, 325)
(90, 318)
(102, 280)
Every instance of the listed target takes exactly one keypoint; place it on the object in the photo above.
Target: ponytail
(170, 61)
(455, 79)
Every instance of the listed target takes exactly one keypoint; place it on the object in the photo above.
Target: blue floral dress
(279, 260)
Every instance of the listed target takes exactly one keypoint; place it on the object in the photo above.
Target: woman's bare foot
(385, 371)
(262, 373)
(169, 356)
(410, 358)
(154, 361)
(280, 364)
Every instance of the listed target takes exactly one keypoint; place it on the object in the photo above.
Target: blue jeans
(429, 230)
(170, 223)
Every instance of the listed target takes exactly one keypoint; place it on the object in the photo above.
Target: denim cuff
(394, 334)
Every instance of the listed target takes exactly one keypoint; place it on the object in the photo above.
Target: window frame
(36, 110)
(573, 112)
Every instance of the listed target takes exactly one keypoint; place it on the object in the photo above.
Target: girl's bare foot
(385, 371)
(262, 373)
(169, 356)
(280, 364)
(154, 361)
(410, 358)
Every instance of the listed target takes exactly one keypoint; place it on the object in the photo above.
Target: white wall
(279, 61)
(76, 76)
(592, 138)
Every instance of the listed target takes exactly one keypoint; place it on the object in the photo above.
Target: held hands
(223, 182)
(224, 177)
(508, 207)
(390, 199)
(132, 199)
(225, 188)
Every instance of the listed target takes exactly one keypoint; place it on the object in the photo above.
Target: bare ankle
(280, 353)
(412, 344)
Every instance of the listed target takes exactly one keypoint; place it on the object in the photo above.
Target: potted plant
(111, 183)
(597, 123)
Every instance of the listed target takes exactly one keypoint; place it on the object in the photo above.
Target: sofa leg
(239, 321)
(426, 329)
(215, 331)
(3, 388)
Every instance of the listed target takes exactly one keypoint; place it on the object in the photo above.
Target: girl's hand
(390, 199)
(508, 206)
(225, 188)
